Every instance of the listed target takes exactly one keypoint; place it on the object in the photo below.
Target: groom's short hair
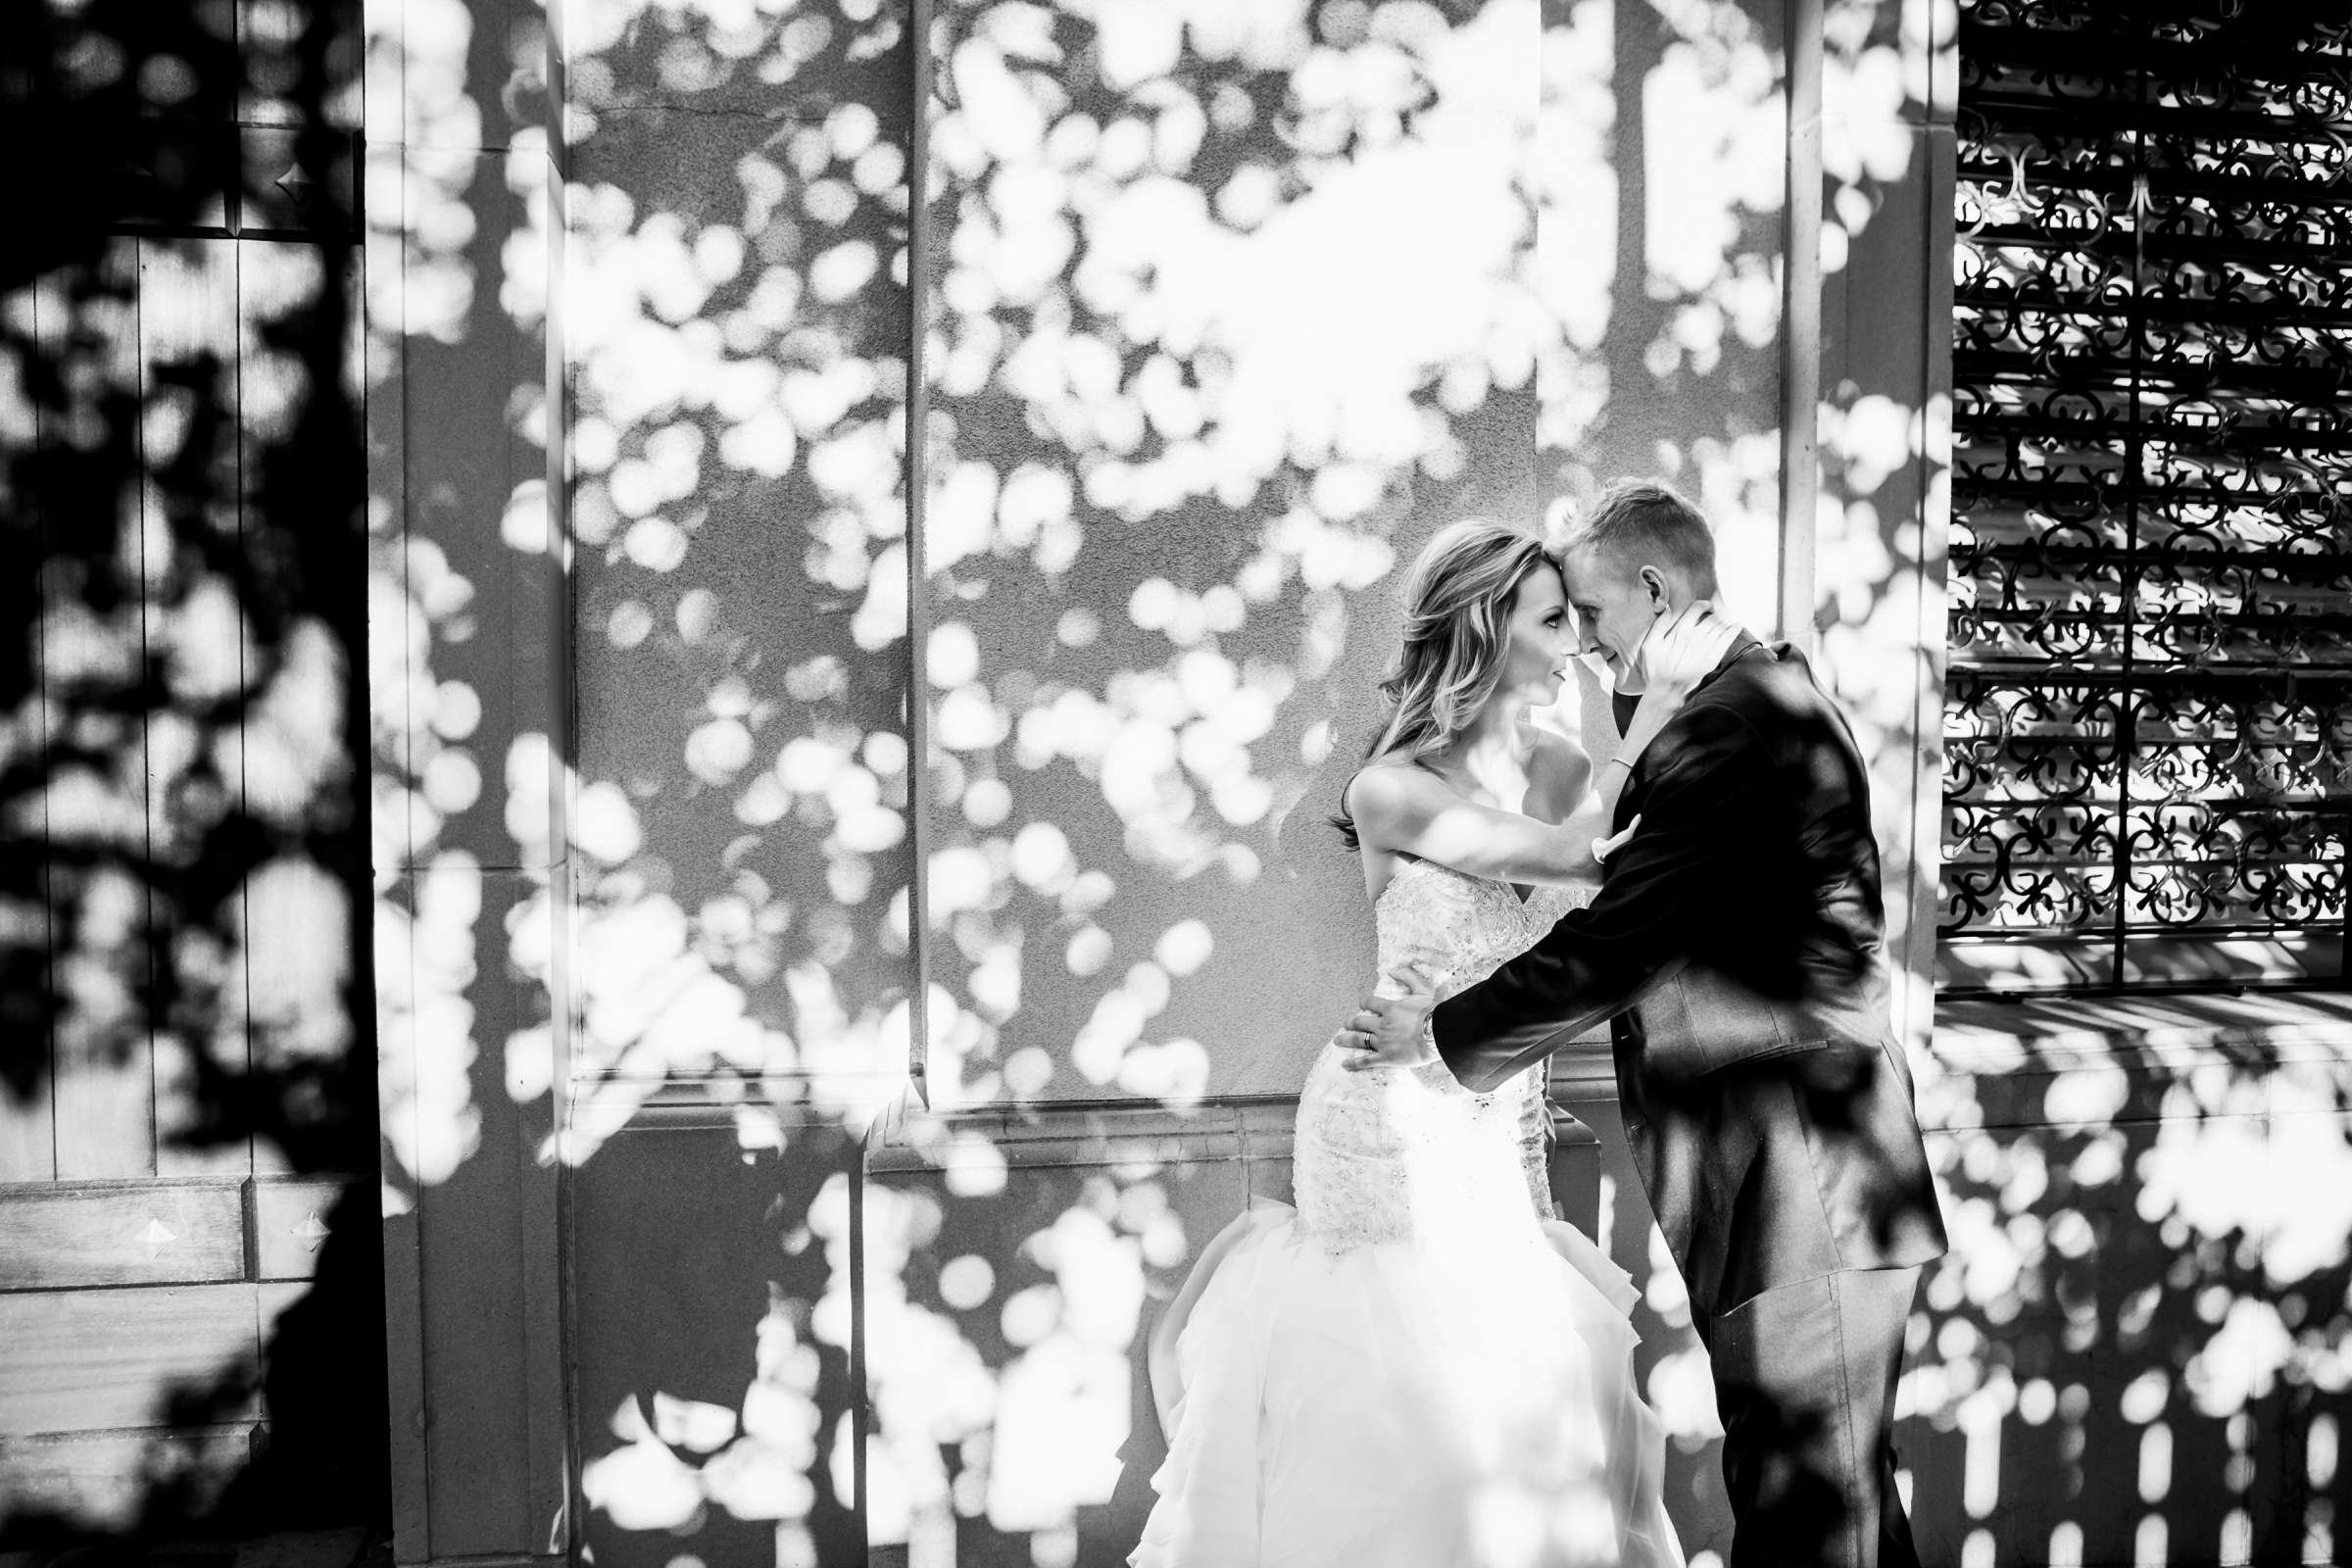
(1639, 523)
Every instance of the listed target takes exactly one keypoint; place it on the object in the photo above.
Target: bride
(1421, 1367)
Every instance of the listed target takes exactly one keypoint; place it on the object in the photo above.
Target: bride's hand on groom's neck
(1680, 652)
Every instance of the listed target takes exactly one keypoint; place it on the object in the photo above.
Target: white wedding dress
(1419, 1367)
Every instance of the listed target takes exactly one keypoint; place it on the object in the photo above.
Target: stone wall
(771, 1201)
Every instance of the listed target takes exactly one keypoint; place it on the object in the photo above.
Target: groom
(1736, 947)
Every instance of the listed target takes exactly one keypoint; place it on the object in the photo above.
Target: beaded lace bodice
(1405, 1153)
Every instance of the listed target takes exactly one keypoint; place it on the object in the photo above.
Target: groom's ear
(1653, 584)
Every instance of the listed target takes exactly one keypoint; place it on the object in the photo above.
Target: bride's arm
(1400, 809)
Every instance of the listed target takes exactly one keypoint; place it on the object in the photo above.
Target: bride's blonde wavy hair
(1458, 599)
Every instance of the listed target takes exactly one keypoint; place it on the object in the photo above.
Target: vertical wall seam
(384, 327)
(557, 1505)
(919, 420)
(237, 369)
(1932, 628)
(1800, 327)
(146, 498)
(44, 522)
(1936, 460)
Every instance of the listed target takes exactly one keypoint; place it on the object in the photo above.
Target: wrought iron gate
(2148, 714)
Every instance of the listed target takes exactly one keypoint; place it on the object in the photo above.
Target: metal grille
(2148, 712)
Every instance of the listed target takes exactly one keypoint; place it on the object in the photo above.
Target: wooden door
(187, 1240)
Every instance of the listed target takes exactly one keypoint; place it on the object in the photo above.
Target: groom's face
(1616, 606)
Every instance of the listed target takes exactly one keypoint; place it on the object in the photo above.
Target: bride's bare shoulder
(1389, 792)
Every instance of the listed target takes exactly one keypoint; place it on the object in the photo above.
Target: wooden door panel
(184, 906)
(29, 1132)
(196, 638)
(106, 1479)
(122, 1233)
(27, 931)
(86, 1360)
(289, 1224)
(94, 1234)
(298, 930)
(102, 1067)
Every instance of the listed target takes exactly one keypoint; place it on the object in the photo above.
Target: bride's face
(1543, 639)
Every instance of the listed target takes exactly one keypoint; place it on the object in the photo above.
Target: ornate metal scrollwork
(2148, 710)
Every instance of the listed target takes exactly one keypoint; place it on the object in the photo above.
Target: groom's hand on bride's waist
(1393, 1031)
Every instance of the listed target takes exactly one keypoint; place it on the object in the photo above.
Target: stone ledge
(2073, 1062)
(1983, 1033)
(1081, 1134)
(2012, 1050)
(1991, 1063)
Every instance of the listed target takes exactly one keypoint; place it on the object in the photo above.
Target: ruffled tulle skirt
(1451, 1403)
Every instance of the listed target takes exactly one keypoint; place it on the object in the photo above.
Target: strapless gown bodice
(1394, 1152)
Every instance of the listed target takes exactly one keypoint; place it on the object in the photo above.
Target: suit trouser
(1804, 1379)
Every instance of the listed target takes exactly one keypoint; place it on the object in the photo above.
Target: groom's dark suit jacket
(1735, 942)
